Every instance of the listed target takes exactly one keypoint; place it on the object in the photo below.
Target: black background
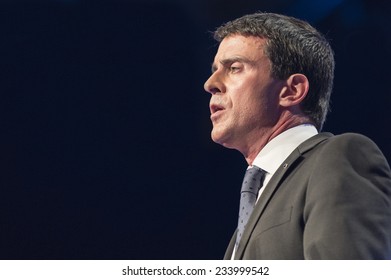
(105, 146)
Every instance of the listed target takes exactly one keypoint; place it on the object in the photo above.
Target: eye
(235, 67)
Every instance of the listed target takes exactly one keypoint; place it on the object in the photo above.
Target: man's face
(244, 96)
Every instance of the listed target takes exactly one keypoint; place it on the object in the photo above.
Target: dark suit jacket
(331, 199)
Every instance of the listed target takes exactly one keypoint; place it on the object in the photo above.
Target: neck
(282, 125)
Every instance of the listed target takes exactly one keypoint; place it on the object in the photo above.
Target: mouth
(214, 108)
(215, 111)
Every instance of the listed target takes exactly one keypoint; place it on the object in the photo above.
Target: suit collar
(271, 188)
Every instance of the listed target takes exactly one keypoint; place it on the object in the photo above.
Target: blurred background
(105, 147)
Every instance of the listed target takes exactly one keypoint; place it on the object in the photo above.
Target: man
(321, 196)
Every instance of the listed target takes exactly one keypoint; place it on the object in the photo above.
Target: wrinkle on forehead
(238, 48)
(237, 44)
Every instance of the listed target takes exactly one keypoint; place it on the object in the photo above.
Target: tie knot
(253, 180)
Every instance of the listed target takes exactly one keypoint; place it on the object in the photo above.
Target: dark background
(105, 146)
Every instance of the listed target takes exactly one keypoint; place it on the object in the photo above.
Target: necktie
(251, 185)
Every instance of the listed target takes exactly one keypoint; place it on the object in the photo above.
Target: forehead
(250, 47)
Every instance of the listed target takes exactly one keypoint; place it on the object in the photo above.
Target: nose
(214, 85)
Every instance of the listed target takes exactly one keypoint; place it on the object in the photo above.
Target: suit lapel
(230, 248)
(272, 187)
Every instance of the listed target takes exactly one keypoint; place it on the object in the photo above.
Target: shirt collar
(280, 147)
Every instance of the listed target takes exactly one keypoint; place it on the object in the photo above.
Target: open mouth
(214, 108)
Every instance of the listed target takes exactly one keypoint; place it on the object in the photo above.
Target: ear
(294, 91)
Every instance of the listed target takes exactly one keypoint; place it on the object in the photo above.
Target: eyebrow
(229, 61)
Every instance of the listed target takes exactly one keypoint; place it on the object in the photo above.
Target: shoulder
(351, 149)
(350, 139)
(350, 143)
(329, 144)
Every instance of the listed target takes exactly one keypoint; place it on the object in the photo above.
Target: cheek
(261, 107)
(255, 97)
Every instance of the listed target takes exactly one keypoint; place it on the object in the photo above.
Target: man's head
(292, 46)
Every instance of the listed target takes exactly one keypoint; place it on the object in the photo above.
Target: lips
(215, 108)
(215, 111)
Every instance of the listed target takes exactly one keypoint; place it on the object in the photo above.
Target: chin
(220, 139)
(216, 137)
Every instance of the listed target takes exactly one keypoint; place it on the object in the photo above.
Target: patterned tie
(252, 183)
